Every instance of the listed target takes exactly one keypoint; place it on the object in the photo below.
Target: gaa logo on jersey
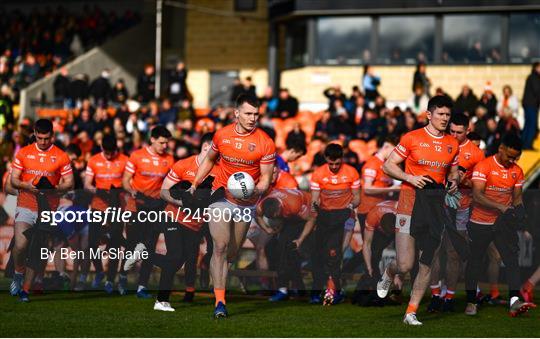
(251, 147)
(449, 149)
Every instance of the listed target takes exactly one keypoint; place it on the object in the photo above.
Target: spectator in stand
(167, 113)
(492, 139)
(333, 94)
(146, 84)
(30, 69)
(236, 89)
(186, 111)
(418, 102)
(420, 79)
(480, 122)
(359, 109)
(476, 54)
(100, 89)
(509, 103)
(268, 102)
(324, 127)
(531, 103)
(6, 108)
(440, 91)
(296, 136)
(79, 89)
(350, 157)
(85, 122)
(287, 105)
(249, 88)
(119, 93)
(177, 87)
(371, 126)
(488, 100)
(466, 102)
(411, 123)
(370, 82)
(61, 87)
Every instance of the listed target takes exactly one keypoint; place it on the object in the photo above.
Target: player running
(335, 189)
(103, 178)
(289, 214)
(145, 171)
(469, 156)
(40, 164)
(241, 146)
(430, 158)
(496, 215)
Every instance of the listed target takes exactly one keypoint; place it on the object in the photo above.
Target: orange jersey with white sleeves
(373, 218)
(294, 203)
(285, 180)
(35, 163)
(469, 156)
(105, 174)
(500, 183)
(241, 153)
(335, 188)
(372, 169)
(149, 169)
(427, 154)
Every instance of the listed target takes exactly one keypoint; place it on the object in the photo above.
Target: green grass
(93, 314)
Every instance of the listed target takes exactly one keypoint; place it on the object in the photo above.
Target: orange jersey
(106, 174)
(294, 203)
(500, 183)
(285, 180)
(241, 152)
(372, 169)
(426, 154)
(469, 156)
(34, 163)
(336, 189)
(184, 170)
(149, 170)
(373, 218)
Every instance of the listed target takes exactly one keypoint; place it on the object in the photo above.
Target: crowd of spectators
(103, 107)
(36, 43)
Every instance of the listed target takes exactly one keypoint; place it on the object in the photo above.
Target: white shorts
(462, 218)
(25, 215)
(225, 204)
(403, 223)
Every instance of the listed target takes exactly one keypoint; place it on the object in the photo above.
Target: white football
(241, 185)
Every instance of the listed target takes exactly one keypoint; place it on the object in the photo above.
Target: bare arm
(17, 183)
(315, 197)
(356, 198)
(205, 168)
(369, 189)
(126, 183)
(453, 178)
(308, 227)
(165, 192)
(392, 168)
(265, 180)
(66, 183)
(366, 250)
(517, 196)
(88, 183)
(479, 197)
(264, 225)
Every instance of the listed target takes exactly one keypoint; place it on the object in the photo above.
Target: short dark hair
(250, 99)
(513, 141)
(460, 119)
(333, 151)
(160, 131)
(207, 138)
(109, 143)
(297, 146)
(43, 126)
(270, 207)
(474, 136)
(388, 222)
(390, 138)
(439, 101)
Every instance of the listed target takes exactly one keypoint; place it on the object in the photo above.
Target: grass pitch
(94, 314)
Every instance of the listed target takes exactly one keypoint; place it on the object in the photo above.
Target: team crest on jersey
(402, 222)
(53, 158)
(449, 149)
(251, 147)
(514, 175)
(467, 156)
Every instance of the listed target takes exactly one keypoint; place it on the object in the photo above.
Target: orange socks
(219, 293)
(528, 286)
(494, 291)
(411, 309)
(435, 290)
(449, 294)
(190, 289)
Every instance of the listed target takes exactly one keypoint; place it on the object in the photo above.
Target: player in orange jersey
(289, 214)
(40, 164)
(182, 236)
(103, 178)
(497, 214)
(280, 180)
(240, 146)
(469, 156)
(430, 157)
(145, 171)
(335, 189)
